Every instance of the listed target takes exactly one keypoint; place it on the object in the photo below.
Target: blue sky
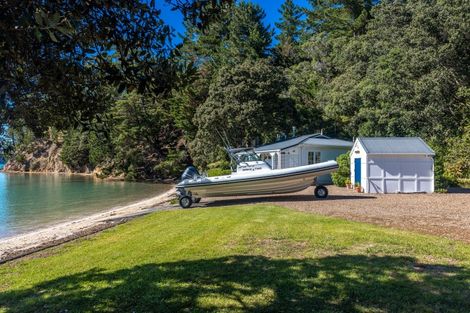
(271, 7)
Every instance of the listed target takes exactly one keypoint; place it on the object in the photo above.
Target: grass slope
(243, 259)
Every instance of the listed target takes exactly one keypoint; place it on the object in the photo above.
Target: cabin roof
(314, 139)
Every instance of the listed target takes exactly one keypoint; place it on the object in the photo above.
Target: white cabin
(392, 165)
(303, 150)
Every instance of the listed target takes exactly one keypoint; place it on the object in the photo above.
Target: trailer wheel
(186, 202)
(321, 192)
(197, 200)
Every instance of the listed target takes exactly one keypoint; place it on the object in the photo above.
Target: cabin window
(314, 157)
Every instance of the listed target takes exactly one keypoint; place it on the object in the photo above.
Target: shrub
(99, 149)
(457, 158)
(441, 180)
(20, 158)
(464, 182)
(173, 165)
(75, 150)
(219, 164)
(218, 172)
(131, 174)
(343, 174)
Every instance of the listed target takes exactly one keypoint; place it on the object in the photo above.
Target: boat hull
(274, 182)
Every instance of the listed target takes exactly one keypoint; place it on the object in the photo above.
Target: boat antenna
(227, 146)
(225, 141)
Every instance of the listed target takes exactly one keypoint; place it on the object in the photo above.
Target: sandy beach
(23, 244)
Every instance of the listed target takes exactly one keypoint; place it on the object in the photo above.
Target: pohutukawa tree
(245, 103)
(55, 57)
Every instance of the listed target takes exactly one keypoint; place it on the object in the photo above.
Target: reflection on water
(29, 201)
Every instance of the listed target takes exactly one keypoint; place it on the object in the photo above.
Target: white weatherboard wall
(298, 156)
(359, 152)
(400, 174)
(385, 173)
(294, 152)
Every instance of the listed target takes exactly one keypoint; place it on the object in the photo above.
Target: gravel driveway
(446, 215)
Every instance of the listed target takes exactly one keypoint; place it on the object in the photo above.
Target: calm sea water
(31, 201)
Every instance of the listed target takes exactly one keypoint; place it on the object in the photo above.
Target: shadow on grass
(281, 198)
(349, 283)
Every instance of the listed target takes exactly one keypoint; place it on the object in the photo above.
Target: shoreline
(92, 175)
(23, 244)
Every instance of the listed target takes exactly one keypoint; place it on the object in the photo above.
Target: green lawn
(243, 259)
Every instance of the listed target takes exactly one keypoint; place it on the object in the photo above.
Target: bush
(75, 150)
(99, 149)
(457, 158)
(219, 164)
(463, 182)
(173, 165)
(441, 180)
(20, 158)
(131, 174)
(343, 174)
(218, 172)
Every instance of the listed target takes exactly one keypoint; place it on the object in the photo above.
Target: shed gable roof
(395, 145)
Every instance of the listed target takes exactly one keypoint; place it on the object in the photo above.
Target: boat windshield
(247, 156)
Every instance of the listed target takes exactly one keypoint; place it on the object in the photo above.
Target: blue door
(357, 170)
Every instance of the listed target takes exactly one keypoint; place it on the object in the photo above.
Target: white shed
(392, 165)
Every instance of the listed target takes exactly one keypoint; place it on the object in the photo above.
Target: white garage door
(400, 174)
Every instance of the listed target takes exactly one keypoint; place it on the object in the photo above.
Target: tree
(75, 149)
(338, 17)
(304, 85)
(200, 13)
(55, 56)
(142, 135)
(248, 37)
(290, 31)
(405, 76)
(457, 159)
(244, 102)
(239, 35)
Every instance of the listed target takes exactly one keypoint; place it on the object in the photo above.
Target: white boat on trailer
(252, 177)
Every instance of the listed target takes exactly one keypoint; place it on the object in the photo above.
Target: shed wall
(400, 174)
(359, 152)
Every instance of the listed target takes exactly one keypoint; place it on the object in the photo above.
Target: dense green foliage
(75, 149)
(136, 139)
(242, 259)
(56, 57)
(244, 102)
(457, 159)
(349, 67)
(219, 168)
(218, 172)
(343, 174)
(287, 50)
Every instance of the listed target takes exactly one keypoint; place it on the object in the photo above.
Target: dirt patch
(446, 215)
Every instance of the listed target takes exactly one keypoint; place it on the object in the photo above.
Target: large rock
(40, 156)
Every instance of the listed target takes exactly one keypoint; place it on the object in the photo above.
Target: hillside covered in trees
(104, 81)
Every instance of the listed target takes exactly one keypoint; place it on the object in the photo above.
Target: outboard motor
(186, 199)
(190, 173)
